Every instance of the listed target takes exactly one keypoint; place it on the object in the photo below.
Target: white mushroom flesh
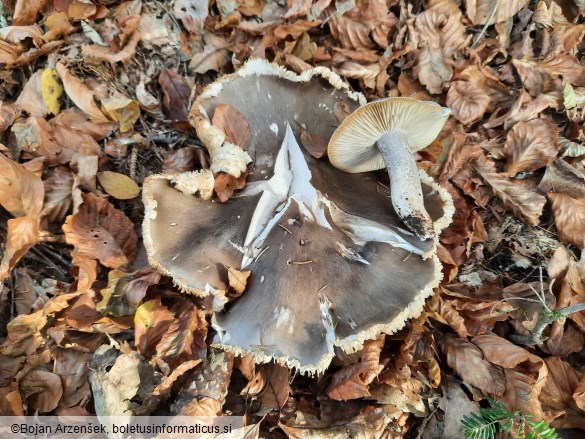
(405, 185)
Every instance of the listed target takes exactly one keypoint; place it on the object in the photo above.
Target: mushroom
(385, 134)
(330, 263)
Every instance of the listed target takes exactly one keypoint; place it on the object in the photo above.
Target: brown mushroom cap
(328, 269)
(352, 147)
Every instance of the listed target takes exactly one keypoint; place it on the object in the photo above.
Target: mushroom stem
(405, 185)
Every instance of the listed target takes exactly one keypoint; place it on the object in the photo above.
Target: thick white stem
(405, 185)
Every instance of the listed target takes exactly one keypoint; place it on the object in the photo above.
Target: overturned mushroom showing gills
(385, 134)
(330, 262)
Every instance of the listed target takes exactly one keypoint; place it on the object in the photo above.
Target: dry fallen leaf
(225, 185)
(52, 90)
(351, 382)
(123, 110)
(569, 216)
(21, 194)
(42, 390)
(314, 144)
(176, 95)
(238, 280)
(228, 119)
(526, 203)
(117, 185)
(80, 94)
(101, 232)
(530, 146)
(151, 320)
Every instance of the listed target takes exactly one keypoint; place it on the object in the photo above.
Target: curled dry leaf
(176, 95)
(125, 291)
(556, 397)
(468, 101)
(228, 119)
(525, 372)
(21, 194)
(100, 231)
(123, 110)
(561, 177)
(166, 386)
(184, 339)
(117, 185)
(540, 77)
(25, 11)
(569, 216)
(96, 54)
(73, 368)
(151, 320)
(31, 98)
(271, 383)
(184, 160)
(351, 382)
(314, 144)
(238, 280)
(42, 390)
(482, 11)
(530, 146)
(80, 94)
(225, 185)
(469, 362)
(438, 33)
(525, 203)
(58, 195)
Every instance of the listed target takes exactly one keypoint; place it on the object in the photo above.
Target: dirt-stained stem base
(405, 185)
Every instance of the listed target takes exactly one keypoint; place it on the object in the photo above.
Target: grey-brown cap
(352, 147)
(328, 261)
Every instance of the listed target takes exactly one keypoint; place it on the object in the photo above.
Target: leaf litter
(103, 102)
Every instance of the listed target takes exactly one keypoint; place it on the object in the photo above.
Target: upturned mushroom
(385, 134)
(331, 265)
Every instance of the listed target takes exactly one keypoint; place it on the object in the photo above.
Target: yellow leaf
(118, 186)
(52, 90)
(123, 110)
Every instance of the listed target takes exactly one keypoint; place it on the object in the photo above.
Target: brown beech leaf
(25, 11)
(525, 372)
(58, 195)
(530, 146)
(186, 159)
(556, 397)
(166, 386)
(80, 94)
(24, 334)
(351, 382)
(184, 339)
(225, 184)
(314, 144)
(352, 34)
(438, 33)
(469, 363)
(73, 368)
(176, 95)
(480, 11)
(100, 231)
(526, 204)
(96, 54)
(579, 394)
(21, 194)
(238, 280)
(569, 216)
(277, 388)
(539, 77)
(125, 291)
(31, 98)
(151, 320)
(42, 390)
(366, 73)
(468, 101)
(561, 177)
(118, 185)
(228, 119)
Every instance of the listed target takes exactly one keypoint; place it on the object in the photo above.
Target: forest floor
(95, 97)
